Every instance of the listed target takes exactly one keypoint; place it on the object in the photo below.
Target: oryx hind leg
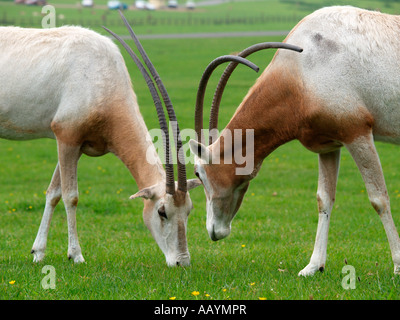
(327, 180)
(53, 196)
(364, 154)
(68, 156)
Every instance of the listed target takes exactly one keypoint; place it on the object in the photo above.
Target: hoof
(310, 270)
(77, 259)
(38, 256)
(397, 270)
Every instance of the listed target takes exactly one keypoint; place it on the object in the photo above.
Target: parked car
(190, 4)
(35, 2)
(172, 4)
(150, 6)
(140, 4)
(87, 3)
(113, 5)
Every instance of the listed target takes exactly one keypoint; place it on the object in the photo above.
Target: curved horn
(182, 183)
(169, 167)
(231, 67)
(203, 85)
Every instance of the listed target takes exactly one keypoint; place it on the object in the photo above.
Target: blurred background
(178, 16)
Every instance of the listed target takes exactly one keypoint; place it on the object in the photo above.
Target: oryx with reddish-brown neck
(342, 90)
(71, 84)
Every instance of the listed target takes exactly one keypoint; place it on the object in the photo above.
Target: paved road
(212, 35)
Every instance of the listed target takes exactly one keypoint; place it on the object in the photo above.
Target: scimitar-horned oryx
(71, 84)
(342, 90)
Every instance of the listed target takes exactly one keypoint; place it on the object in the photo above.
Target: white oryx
(71, 84)
(342, 90)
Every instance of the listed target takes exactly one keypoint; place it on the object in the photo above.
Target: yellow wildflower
(12, 282)
(195, 293)
(172, 298)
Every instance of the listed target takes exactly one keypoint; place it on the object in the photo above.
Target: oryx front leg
(328, 173)
(53, 196)
(68, 160)
(364, 154)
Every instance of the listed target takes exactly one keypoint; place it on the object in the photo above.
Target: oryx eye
(161, 212)
(197, 175)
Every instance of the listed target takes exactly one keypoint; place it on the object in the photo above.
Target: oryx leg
(364, 154)
(328, 173)
(68, 159)
(53, 196)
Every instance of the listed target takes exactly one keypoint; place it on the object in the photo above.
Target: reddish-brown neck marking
(274, 109)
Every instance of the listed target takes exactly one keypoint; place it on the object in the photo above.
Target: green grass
(272, 235)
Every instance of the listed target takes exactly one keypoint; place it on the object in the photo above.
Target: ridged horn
(182, 183)
(203, 85)
(213, 124)
(169, 168)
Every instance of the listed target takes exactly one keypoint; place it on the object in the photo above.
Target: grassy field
(272, 235)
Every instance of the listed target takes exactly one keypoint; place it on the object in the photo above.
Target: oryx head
(167, 204)
(224, 185)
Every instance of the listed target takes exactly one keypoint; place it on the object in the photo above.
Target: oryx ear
(193, 183)
(199, 150)
(146, 193)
